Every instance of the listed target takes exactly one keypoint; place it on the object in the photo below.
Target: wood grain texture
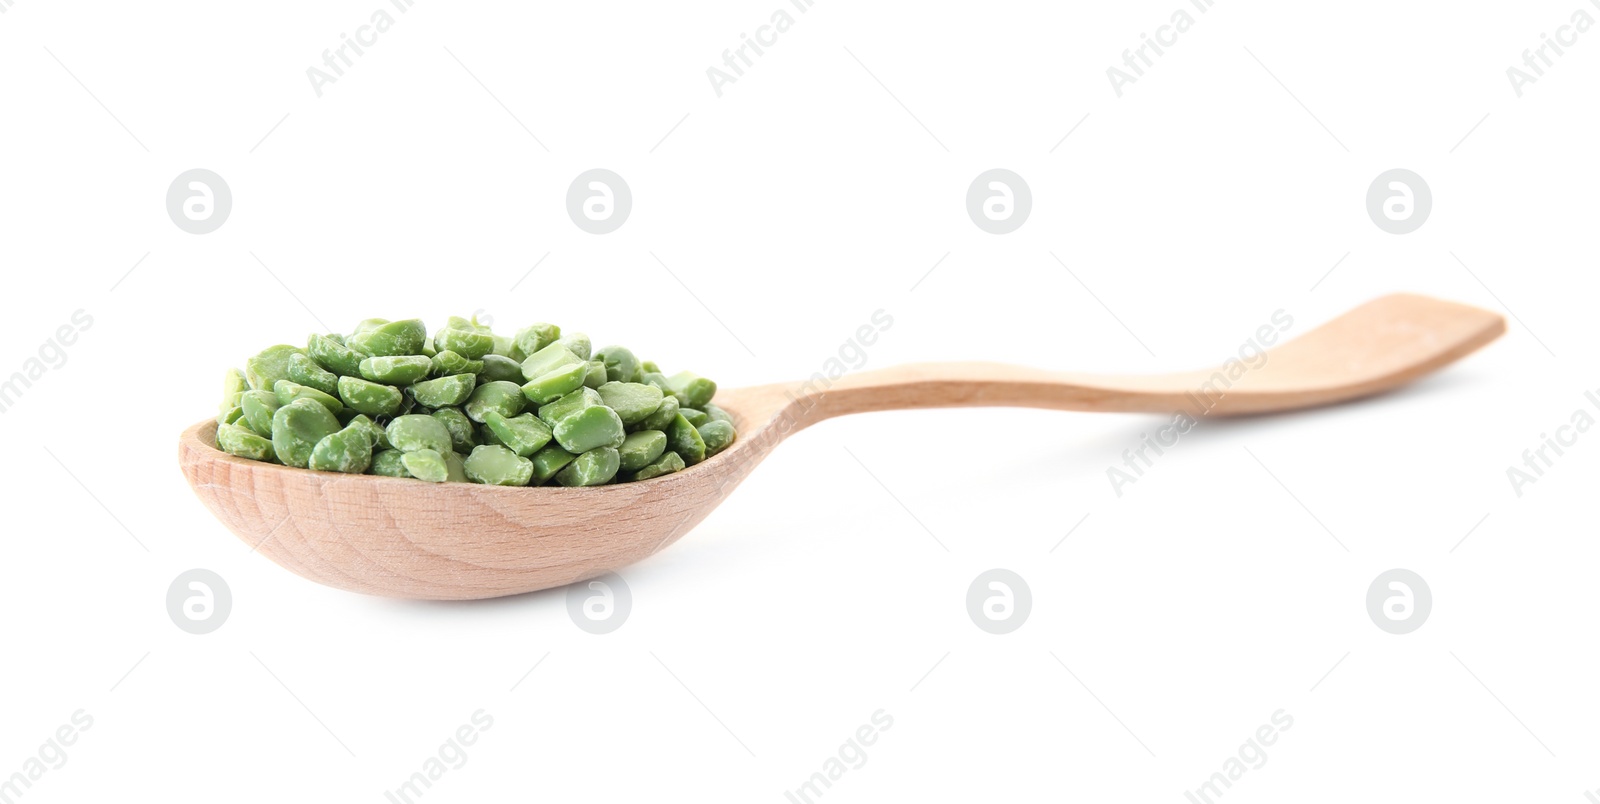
(404, 538)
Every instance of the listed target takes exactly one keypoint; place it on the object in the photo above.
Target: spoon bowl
(399, 537)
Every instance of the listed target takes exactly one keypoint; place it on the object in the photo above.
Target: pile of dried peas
(468, 405)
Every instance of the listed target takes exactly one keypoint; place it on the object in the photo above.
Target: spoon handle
(947, 385)
(1380, 345)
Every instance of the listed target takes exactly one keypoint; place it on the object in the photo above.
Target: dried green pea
(236, 440)
(692, 390)
(532, 338)
(621, 365)
(389, 463)
(468, 343)
(258, 407)
(683, 439)
(333, 355)
(460, 427)
(550, 460)
(641, 449)
(362, 420)
(504, 398)
(668, 463)
(552, 412)
(595, 467)
(370, 398)
(234, 383)
(396, 369)
(717, 414)
(348, 451)
(356, 339)
(245, 424)
(649, 366)
(289, 390)
(596, 375)
(633, 402)
(578, 344)
(716, 435)
(503, 345)
(297, 427)
(663, 417)
(695, 417)
(555, 384)
(416, 431)
(444, 391)
(390, 339)
(305, 371)
(589, 428)
(426, 464)
(447, 363)
(499, 368)
(498, 466)
(523, 435)
(380, 439)
(231, 415)
(265, 369)
(549, 359)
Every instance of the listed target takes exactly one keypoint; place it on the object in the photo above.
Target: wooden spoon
(456, 541)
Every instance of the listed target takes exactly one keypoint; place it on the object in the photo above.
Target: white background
(1171, 623)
